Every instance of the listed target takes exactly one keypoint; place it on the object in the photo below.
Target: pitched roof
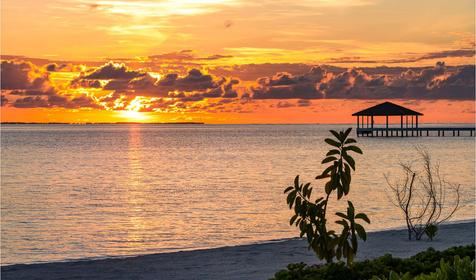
(387, 109)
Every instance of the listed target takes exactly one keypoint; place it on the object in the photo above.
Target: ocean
(94, 191)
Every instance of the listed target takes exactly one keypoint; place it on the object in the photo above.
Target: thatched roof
(387, 109)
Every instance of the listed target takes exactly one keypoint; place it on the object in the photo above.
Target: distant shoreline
(199, 123)
(89, 123)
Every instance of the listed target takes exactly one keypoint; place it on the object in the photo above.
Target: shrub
(310, 216)
(459, 269)
(424, 262)
(423, 197)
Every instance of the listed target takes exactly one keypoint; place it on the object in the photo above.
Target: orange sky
(234, 61)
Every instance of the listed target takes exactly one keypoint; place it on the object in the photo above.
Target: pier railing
(415, 132)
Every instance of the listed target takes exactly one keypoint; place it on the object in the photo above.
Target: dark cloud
(431, 55)
(437, 82)
(32, 92)
(185, 56)
(251, 72)
(31, 102)
(228, 23)
(284, 104)
(77, 83)
(113, 70)
(449, 53)
(288, 86)
(55, 101)
(180, 55)
(53, 67)
(23, 76)
(194, 86)
(216, 57)
(3, 100)
(304, 103)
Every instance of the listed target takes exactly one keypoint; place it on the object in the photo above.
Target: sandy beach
(255, 261)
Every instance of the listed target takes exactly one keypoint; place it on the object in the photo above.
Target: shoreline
(251, 261)
(270, 241)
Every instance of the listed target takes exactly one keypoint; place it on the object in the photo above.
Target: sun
(133, 111)
(134, 115)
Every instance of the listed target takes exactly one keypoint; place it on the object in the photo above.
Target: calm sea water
(86, 191)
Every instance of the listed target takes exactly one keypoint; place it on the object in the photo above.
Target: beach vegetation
(311, 216)
(458, 269)
(423, 263)
(425, 198)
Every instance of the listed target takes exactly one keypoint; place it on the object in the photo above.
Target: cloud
(113, 70)
(23, 76)
(427, 56)
(251, 72)
(180, 55)
(25, 85)
(193, 86)
(428, 83)
(53, 67)
(3, 100)
(31, 102)
(288, 86)
(77, 102)
(215, 57)
(304, 103)
(185, 56)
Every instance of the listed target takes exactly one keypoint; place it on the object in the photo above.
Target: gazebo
(365, 119)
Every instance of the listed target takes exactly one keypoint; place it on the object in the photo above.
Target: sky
(235, 61)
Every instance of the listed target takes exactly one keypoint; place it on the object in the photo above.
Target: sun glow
(131, 115)
(133, 110)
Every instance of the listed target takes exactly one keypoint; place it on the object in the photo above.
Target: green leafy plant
(311, 217)
(459, 269)
(424, 262)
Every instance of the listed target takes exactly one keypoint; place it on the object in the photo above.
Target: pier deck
(415, 131)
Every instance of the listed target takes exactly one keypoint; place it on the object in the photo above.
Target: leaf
(350, 160)
(351, 206)
(328, 159)
(350, 211)
(336, 135)
(290, 198)
(353, 148)
(342, 222)
(333, 152)
(350, 141)
(342, 215)
(304, 190)
(362, 216)
(296, 182)
(347, 132)
(297, 205)
(332, 142)
(340, 193)
(293, 219)
(328, 188)
(322, 176)
(288, 189)
(361, 232)
(309, 192)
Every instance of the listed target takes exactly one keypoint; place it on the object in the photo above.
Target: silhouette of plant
(310, 216)
(431, 231)
(423, 195)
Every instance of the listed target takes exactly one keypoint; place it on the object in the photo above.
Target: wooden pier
(408, 123)
(416, 132)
